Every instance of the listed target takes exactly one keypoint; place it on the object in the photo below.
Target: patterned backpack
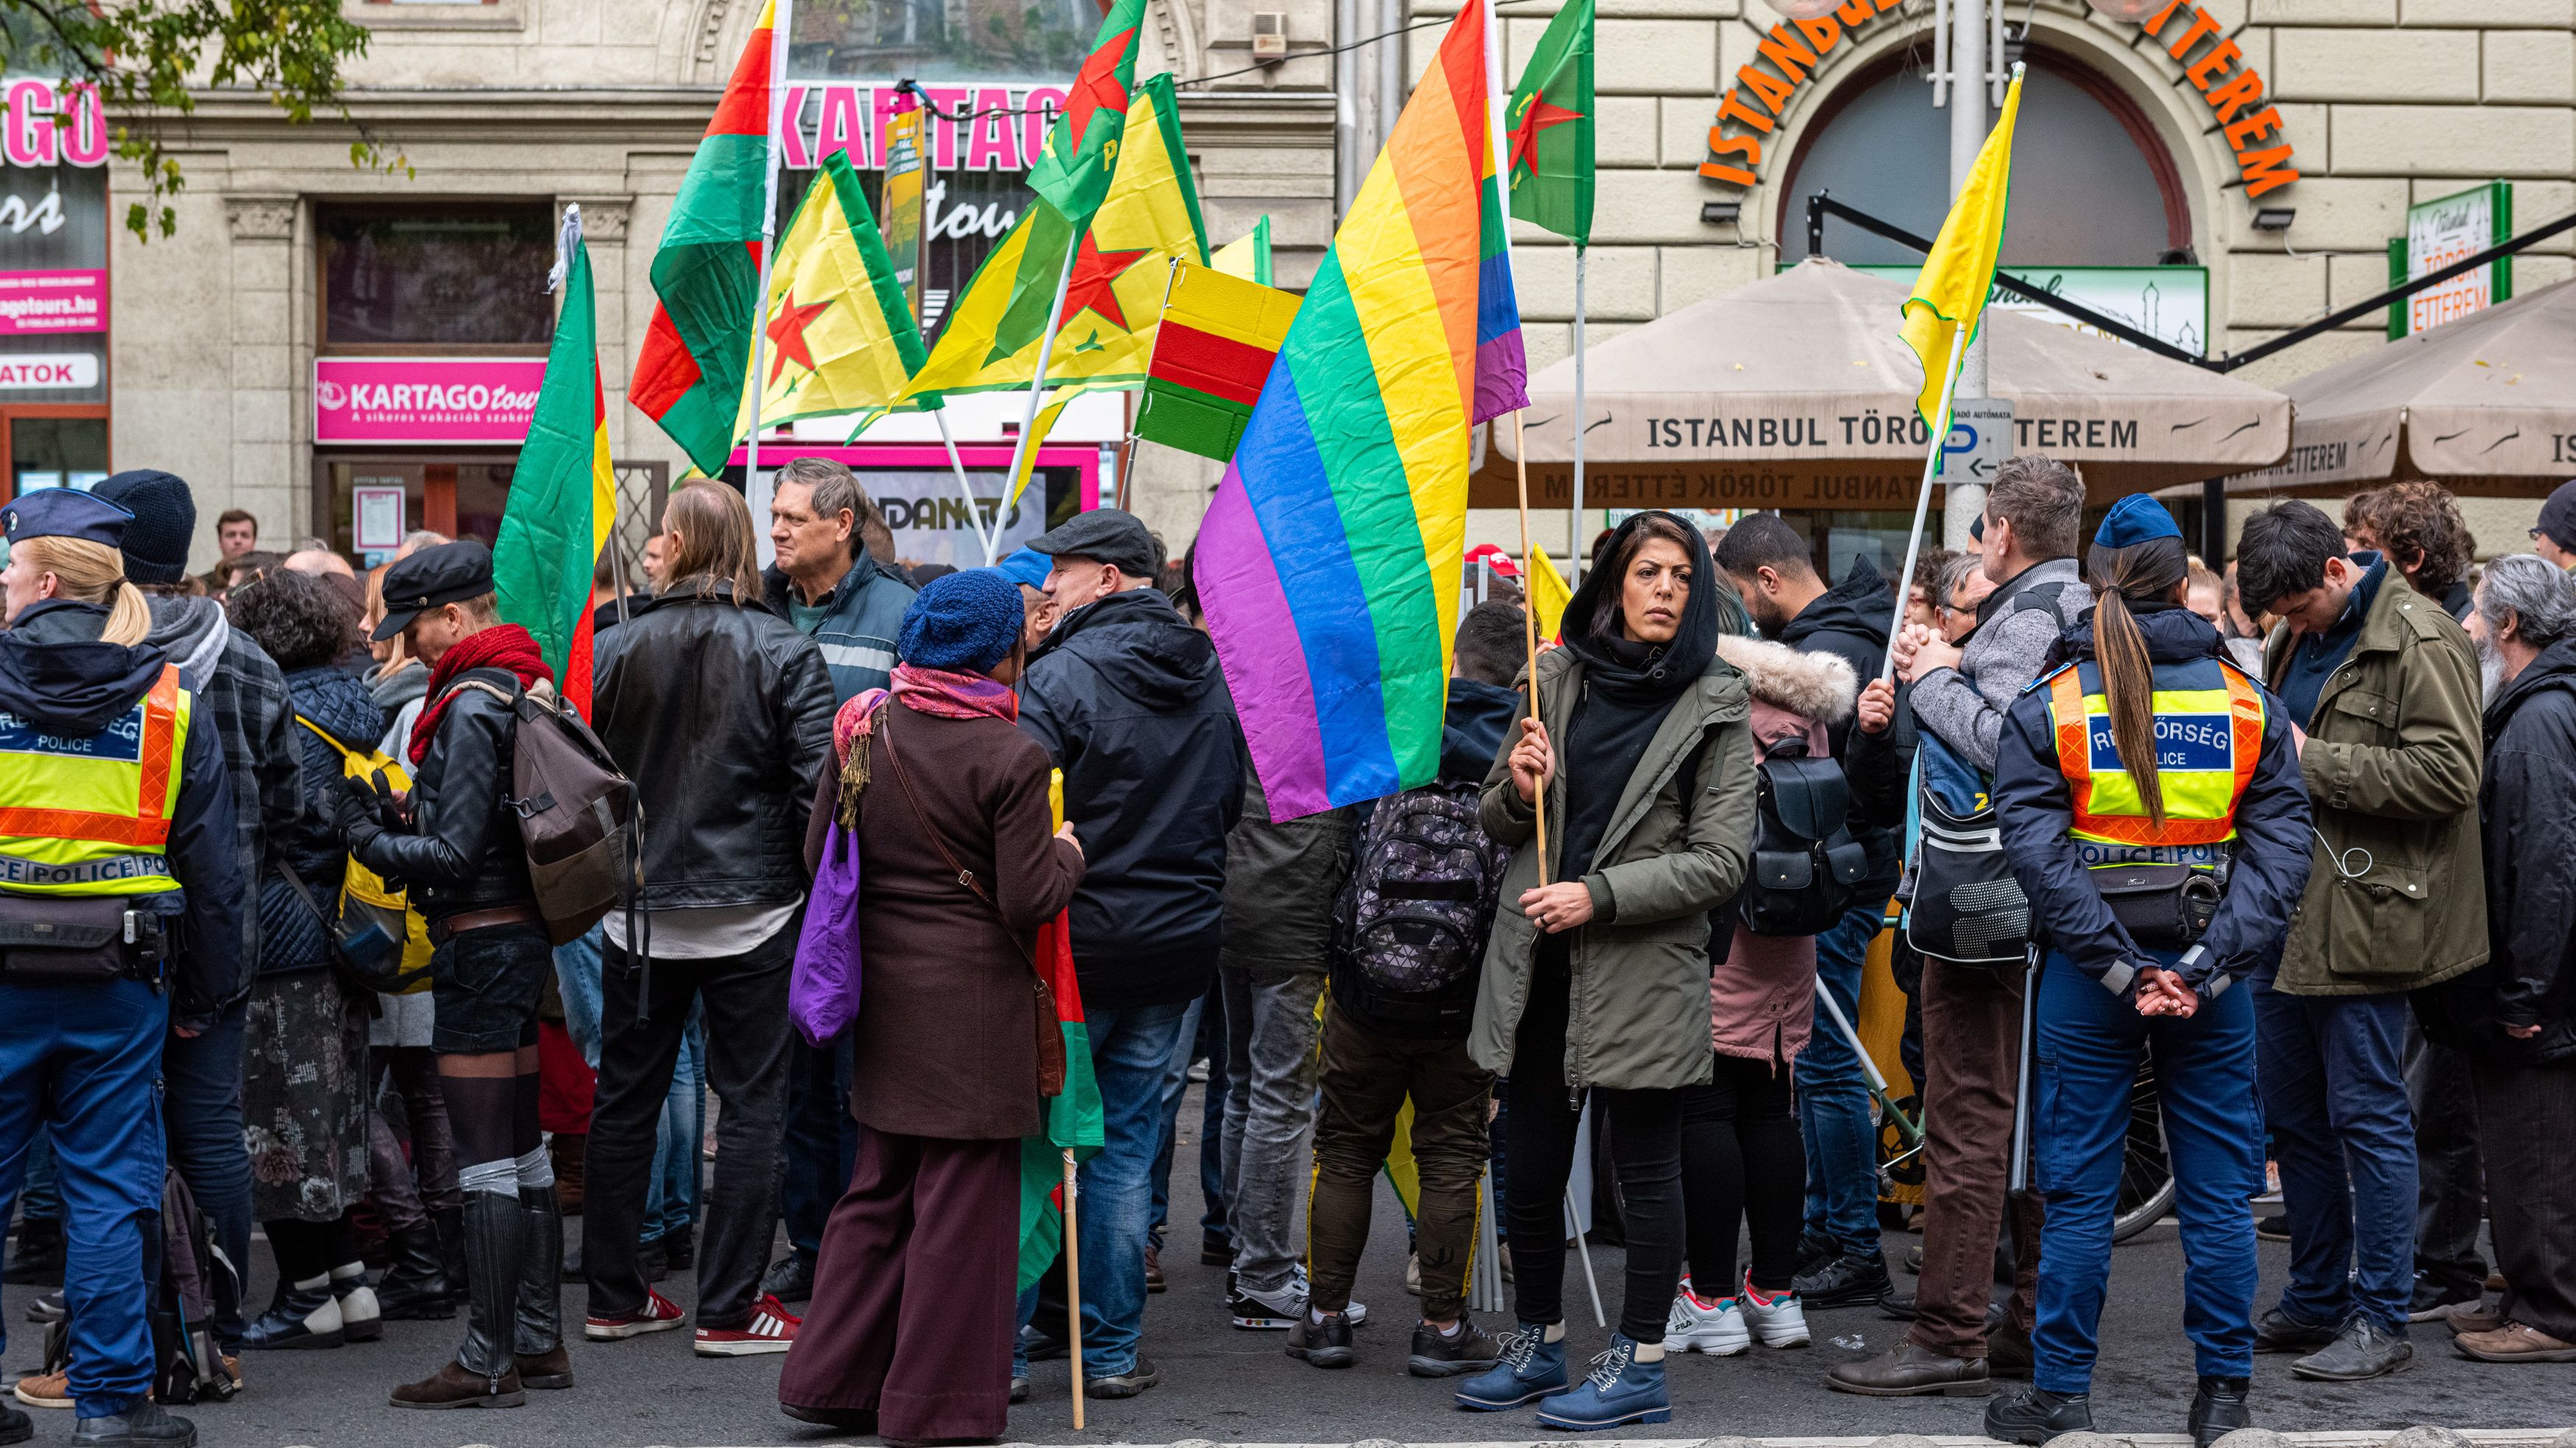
(1425, 879)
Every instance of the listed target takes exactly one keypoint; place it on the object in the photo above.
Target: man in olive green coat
(2385, 685)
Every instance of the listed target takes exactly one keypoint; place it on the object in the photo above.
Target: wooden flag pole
(1529, 625)
(1923, 500)
(1073, 1285)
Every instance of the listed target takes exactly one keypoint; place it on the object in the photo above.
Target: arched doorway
(2092, 183)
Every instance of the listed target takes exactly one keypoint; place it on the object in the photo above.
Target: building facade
(345, 352)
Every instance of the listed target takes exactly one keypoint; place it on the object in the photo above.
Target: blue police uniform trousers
(2090, 1042)
(85, 1061)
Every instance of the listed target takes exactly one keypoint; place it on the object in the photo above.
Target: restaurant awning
(2485, 405)
(1796, 392)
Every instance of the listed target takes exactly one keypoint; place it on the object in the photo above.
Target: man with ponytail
(121, 898)
(2151, 804)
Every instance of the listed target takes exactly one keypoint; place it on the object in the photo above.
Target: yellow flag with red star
(1113, 301)
(839, 331)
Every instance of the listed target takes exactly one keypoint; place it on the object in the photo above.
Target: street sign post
(1981, 437)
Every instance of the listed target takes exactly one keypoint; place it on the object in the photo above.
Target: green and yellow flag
(1950, 293)
(1074, 165)
(1247, 256)
(1114, 300)
(841, 336)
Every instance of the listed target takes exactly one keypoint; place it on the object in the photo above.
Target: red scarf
(504, 646)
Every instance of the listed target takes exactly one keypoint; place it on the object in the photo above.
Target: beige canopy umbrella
(2485, 405)
(1796, 392)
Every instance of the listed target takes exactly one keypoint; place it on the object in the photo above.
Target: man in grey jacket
(1972, 1017)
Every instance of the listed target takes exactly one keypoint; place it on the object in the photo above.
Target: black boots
(485, 1371)
(2033, 1415)
(303, 1315)
(38, 1260)
(537, 1340)
(449, 1224)
(414, 1287)
(2218, 1409)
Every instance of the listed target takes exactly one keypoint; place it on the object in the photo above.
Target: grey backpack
(580, 818)
(1424, 882)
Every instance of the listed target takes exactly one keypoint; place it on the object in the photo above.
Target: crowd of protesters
(1638, 901)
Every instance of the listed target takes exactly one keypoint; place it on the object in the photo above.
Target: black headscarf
(1628, 688)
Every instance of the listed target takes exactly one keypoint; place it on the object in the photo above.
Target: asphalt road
(1231, 1386)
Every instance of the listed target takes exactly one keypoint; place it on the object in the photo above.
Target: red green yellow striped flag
(689, 373)
(563, 495)
(1212, 354)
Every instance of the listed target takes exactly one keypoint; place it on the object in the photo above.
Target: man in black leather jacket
(455, 842)
(721, 712)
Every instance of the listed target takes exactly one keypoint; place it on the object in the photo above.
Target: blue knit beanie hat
(964, 622)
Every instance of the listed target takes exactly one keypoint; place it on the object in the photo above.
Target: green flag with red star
(1548, 128)
(1073, 167)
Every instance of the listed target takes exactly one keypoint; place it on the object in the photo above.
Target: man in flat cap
(1129, 700)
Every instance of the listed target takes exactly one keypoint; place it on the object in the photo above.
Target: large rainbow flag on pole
(1330, 557)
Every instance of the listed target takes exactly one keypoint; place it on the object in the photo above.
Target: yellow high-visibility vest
(92, 816)
(2207, 742)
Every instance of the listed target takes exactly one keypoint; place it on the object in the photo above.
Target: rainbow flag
(563, 493)
(1329, 559)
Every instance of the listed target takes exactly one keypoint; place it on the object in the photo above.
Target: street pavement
(1240, 1387)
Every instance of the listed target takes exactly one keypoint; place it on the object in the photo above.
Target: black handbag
(2163, 907)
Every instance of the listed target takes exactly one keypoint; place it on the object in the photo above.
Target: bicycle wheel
(2146, 1171)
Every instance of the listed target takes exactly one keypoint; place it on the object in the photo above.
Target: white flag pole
(755, 489)
(1037, 384)
(1574, 527)
(957, 467)
(1923, 499)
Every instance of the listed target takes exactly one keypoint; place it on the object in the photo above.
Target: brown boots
(567, 1150)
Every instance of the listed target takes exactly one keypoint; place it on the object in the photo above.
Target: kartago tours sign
(2439, 233)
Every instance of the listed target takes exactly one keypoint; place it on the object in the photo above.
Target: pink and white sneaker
(772, 1328)
(658, 1314)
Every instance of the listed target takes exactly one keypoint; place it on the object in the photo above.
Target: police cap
(2133, 520)
(65, 513)
(448, 573)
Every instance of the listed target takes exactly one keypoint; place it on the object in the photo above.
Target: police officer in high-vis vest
(2151, 805)
(120, 919)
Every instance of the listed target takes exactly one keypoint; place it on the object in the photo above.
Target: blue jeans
(820, 1149)
(43, 1200)
(2334, 1088)
(671, 1193)
(83, 1063)
(1131, 1058)
(1176, 1084)
(201, 1110)
(2089, 1044)
(1833, 1095)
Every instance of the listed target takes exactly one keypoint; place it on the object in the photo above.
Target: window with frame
(463, 277)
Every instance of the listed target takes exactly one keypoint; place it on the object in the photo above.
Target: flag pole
(1073, 1283)
(957, 467)
(1046, 349)
(755, 492)
(1529, 626)
(1574, 527)
(1923, 499)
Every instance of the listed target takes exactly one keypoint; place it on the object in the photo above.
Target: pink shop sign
(33, 302)
(425, 400)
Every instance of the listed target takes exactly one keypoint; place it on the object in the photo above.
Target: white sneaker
(1280, 1310)
(1698, 1325)
(1780, 1322)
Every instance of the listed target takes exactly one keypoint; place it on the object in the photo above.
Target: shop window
(462, 278)
(2112, 195)
(56, 452)
(933, 40)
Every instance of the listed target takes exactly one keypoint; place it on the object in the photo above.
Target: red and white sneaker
(658, 1314)
(772, 1329)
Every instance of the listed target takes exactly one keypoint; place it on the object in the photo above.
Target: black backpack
(1411, 924)
(1806, 868)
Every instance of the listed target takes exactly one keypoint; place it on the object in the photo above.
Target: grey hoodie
(1965, 706)
(244, 693)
